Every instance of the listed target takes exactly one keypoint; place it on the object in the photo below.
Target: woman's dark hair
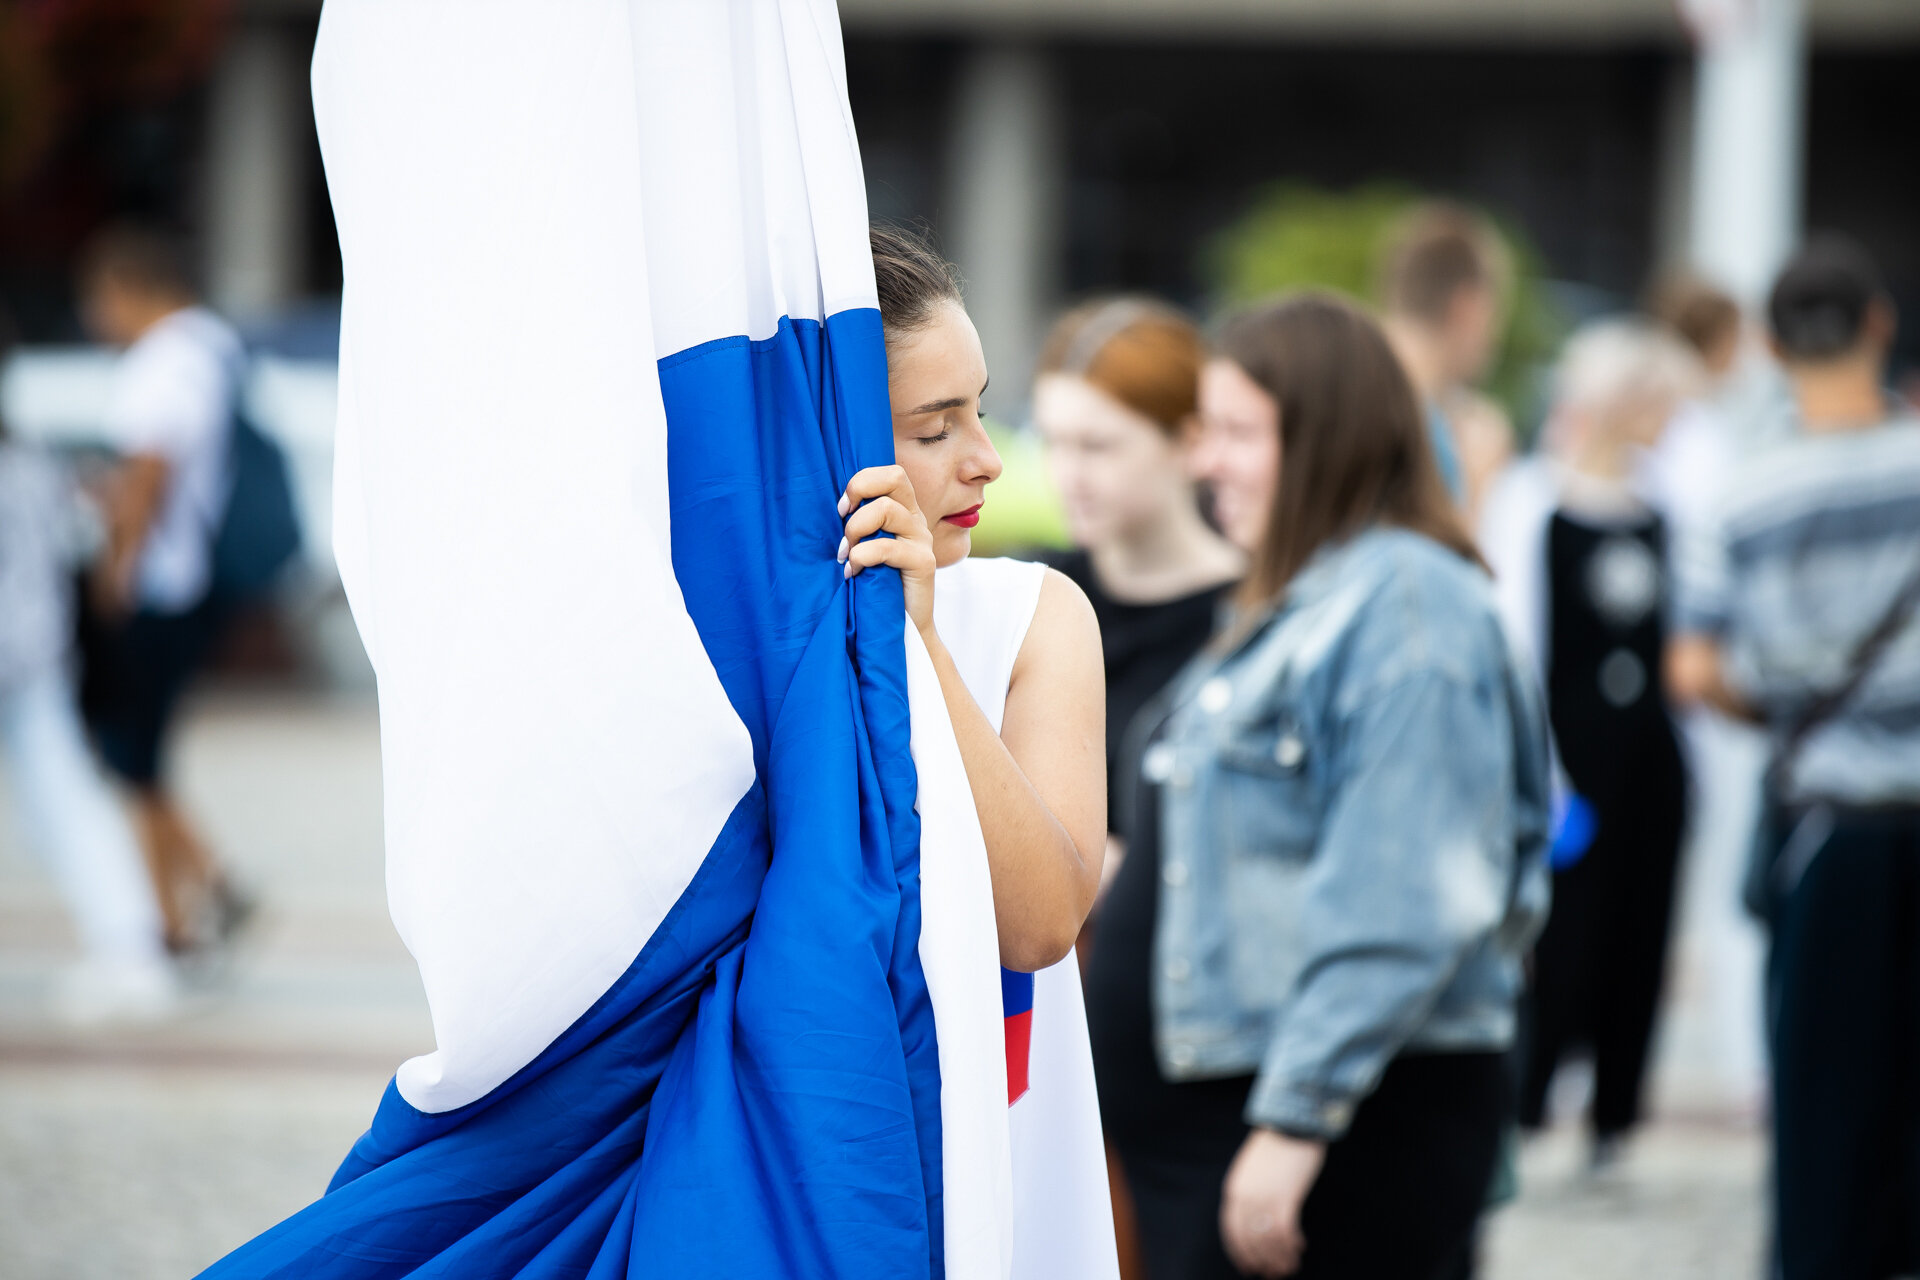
(1354, 449)
(1819, 303)
(911, 278)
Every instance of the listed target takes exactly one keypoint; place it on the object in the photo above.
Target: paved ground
(129, 1156)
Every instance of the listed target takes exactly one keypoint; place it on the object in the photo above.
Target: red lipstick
(966, 519)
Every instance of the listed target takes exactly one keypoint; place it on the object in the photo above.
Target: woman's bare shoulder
(1064, 633)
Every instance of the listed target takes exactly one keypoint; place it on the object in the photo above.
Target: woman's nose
(984, 460)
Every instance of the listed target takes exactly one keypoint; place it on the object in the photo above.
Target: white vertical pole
(257, 137)
(1748, 140)
(1002, 210)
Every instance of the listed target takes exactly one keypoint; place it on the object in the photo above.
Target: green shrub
(1295, 235)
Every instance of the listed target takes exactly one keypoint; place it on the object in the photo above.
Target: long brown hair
(1354, 449)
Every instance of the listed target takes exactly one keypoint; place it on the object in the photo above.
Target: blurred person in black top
(1115, 403)
(1581, 560)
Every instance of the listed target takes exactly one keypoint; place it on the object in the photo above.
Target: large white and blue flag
(676, 826)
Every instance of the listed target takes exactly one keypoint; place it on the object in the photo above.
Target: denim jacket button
(1216, 695)
(1181, 1055)
(1336, 1114)
(1174, 873)
(1289, 751)
(1178, 969)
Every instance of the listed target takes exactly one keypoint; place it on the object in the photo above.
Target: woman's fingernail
(847, 572)
(841, 555)
(845, 501)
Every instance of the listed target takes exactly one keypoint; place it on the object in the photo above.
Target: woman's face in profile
(1238, 451)
(935, 378)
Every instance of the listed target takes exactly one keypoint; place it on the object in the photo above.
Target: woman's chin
(951, 546)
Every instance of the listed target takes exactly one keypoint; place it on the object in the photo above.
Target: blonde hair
(1611, 366)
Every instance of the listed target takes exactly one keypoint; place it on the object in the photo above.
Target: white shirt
(173, 398)
(1062, 1207)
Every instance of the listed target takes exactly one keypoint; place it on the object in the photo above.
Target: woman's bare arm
(1040, 784)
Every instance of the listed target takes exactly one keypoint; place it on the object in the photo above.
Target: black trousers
(1601, 962)
(1398, 1198)
(1843, 996)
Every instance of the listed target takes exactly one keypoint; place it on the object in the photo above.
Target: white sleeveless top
(1062, 1208)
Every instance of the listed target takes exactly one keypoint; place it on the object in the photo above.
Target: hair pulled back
(1142, 352)
(911, 278)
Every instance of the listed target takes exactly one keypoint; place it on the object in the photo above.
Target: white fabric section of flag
(956, 903)
(502, 519)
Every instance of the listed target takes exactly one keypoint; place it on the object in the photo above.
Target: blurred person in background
(1345, 807)
(1580, 563)
(1683, 477)
(1443, 283)
(1115, 403)
(69, 817)
(1798, 609)
(1683, 473)
(169, 418)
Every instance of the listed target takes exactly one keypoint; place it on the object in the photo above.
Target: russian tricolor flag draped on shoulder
(676, 826)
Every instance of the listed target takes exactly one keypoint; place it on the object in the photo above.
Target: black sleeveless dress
(1598, 967)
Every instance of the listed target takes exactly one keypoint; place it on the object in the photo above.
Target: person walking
(170, 416)
(1343, 888)
(67, 814)
(1580, 565)
(1801, 609)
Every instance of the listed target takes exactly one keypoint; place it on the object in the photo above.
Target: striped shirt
(1814, 541)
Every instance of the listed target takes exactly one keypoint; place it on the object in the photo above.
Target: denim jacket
(1354, 827)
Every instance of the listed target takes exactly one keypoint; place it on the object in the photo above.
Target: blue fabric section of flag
(1016, 992)
(759, 1093)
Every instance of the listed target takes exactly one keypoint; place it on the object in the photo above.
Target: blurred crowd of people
(1381, 685)
(1324, 987)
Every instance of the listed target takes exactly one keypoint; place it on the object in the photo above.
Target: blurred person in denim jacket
(1800, 609)
(65, 809)
(1349, 795)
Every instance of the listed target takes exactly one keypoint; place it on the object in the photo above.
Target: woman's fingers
(886, 513)
(904, 554)
(878, 482)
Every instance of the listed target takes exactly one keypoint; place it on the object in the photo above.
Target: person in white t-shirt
(169, 418)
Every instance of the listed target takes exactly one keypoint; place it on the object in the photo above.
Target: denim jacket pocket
(1270, 818)
(1268, 804)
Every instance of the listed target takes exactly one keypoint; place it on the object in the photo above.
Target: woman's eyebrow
(941, 406)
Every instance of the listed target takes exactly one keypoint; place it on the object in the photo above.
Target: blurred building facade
(1061, 146)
